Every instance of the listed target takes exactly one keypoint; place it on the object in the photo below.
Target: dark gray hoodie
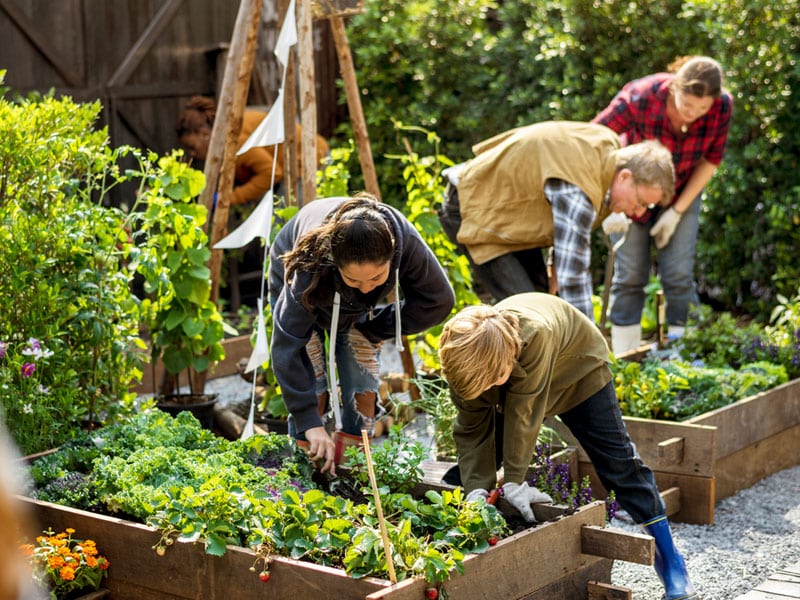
(427, 299)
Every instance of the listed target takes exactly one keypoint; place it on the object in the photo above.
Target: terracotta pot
(200, 405)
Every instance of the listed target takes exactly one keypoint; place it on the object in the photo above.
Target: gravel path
(755, 533)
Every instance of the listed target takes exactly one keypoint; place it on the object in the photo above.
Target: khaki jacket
(564, 361)
(501, 190)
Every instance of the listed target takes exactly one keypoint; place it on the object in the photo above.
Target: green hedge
(470, 69)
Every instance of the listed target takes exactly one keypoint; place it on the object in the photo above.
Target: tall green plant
(171, 253)
(68, 311)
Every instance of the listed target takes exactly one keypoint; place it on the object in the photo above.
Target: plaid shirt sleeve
(573, 215)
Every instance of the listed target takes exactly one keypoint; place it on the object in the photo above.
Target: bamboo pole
(308, 99)
(221, 161)
(387, 548)
(290, 152)
(354, 106)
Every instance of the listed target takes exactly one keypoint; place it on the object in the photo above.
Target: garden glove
(616, 223)
(522, 495)
(478, 493)
(665, 226)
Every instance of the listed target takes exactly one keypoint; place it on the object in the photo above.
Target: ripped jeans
(357, 365)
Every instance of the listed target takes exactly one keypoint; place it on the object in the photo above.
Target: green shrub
(64, 286)
(469, 70)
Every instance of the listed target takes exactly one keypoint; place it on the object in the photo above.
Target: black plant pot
(200, 405)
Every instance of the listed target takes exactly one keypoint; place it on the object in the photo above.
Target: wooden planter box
(236, 348)
(579, 555)
(714, 455)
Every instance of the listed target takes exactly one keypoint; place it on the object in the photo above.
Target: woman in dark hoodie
(330, 267)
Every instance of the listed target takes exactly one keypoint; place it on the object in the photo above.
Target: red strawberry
(264, 576)
(432, 593)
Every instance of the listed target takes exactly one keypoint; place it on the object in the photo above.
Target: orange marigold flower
(70, 530)
(56, 562)
(91, 561)
(67, 573)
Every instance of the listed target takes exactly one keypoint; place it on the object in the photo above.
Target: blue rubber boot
(669, 563)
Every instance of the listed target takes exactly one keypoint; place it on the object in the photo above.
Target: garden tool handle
(494, 496)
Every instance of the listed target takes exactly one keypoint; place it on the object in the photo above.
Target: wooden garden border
(560, 556)
(714, 455)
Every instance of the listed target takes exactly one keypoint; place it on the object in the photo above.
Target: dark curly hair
(356, 233)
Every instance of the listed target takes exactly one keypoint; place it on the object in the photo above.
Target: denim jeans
(358, 370)
(513, 273)
(675, 269)
(597, 424)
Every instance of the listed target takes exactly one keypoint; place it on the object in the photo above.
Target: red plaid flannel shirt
(639, 112)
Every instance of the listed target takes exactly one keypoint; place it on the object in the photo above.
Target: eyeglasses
(641, 202)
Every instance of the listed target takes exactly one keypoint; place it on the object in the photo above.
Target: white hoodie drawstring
(398, 336)
(334, 384)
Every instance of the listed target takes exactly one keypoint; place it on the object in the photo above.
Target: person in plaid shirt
(689, 112)
(547, 185)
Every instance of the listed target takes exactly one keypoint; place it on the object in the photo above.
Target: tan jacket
(564, 361)
(501, 190)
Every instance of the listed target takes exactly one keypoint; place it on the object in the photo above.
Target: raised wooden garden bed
(236, 348)
(577, 547)
(714, 455)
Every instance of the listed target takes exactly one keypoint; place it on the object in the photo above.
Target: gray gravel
(755, 533)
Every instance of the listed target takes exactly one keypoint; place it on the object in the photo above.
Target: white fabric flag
(258, 224)
(287, 37)
(260, 352)
(270, 131)
(249, 428)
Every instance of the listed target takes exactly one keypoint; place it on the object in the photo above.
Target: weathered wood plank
(697, 441)
(145, 42)
(659, 443)
(784, 584)
(559, 541)
(755, 418)
(617, 544)
(606, 591)
(752, 463)
(691, 502)
(41, 42)
(573, 586)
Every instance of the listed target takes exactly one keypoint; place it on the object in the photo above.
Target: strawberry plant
(259, 493)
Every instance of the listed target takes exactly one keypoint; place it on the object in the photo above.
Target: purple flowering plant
(553, 478)
(28, 376)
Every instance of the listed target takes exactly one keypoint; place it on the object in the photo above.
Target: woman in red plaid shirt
(689, 112)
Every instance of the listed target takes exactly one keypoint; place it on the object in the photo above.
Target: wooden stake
(387, 549)
(221, 162)
(354, 106)
(308, 99)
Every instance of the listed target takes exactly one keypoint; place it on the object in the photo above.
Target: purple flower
(3, 346)
(28, 369)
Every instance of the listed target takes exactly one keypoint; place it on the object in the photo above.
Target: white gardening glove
(522, 495)
(616, 223)
(478, 493)
(665, 226)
